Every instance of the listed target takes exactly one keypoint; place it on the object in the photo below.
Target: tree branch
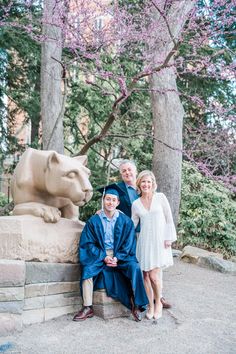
(166, 22)
(123, 97)
(146, 135)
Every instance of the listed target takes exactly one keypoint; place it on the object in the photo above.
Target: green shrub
(207, 214)
(91, 207)
(3, 200)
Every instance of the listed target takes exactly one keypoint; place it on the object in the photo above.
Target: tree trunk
(35, 129)
(166, 106)
(167, 122)
(51, 81)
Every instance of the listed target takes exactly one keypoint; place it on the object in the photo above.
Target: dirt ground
(202, 321)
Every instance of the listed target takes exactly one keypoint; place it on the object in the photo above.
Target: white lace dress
(156, 226)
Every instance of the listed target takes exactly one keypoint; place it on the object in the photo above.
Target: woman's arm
(134, 215)
(170, 232)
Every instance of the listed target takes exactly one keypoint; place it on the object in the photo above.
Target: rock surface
(29, 238)
(208, 259)
(192, 254)
(218, 264)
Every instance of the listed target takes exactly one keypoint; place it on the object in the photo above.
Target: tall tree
(167, 108)
(52, 104)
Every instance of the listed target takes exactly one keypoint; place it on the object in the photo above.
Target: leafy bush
(3, 200)
(207, 214)
(91, 207)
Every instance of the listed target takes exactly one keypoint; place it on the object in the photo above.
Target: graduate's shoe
(84, 313)
(165, 304)
(137, 315)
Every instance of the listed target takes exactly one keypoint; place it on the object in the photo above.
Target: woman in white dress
(157, 232)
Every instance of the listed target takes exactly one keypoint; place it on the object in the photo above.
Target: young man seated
(107, 256)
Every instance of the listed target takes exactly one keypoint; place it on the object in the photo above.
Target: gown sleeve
(134, 215)
(127, 246)
(170, 231)
(90, 250)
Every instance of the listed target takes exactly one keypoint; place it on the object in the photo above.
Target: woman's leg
(154, 275)
(149, 291)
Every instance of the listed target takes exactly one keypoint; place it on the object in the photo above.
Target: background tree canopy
(96, 76)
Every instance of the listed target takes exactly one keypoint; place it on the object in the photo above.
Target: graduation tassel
(103, 194)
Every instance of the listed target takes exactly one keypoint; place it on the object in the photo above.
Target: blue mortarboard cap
(111, 189)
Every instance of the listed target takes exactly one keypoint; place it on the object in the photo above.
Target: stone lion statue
(50, 185)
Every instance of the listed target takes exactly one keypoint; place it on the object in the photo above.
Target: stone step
(52, 301)
(12, 294)
(12, 273)
(43, 272)
(42, 289)
(46, 314)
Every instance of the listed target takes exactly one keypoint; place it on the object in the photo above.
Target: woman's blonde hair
(143, 174)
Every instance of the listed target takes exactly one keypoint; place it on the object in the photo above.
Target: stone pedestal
(29, 238)
(106, 307)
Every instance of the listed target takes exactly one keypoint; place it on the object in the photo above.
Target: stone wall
(12, 281)
(33, 292)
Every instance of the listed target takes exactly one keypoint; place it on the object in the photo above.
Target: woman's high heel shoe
(150, 314)
(158, 315)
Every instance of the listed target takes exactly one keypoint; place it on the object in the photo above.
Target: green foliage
(91, 207)
(208, 94)
(207, 214)
(3, 200)
(130, 136)
(19, 77)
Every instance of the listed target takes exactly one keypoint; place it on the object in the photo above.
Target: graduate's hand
(167, 244)
(110, 262)
(108, 259)
(115, 260)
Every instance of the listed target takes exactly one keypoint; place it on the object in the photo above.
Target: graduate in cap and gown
(107, 251)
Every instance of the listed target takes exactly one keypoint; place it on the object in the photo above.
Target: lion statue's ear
(83, 159)
(53, 159)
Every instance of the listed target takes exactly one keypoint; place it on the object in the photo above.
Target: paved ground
(202, 321)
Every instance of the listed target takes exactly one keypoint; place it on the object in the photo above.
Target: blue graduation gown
(122, 281)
